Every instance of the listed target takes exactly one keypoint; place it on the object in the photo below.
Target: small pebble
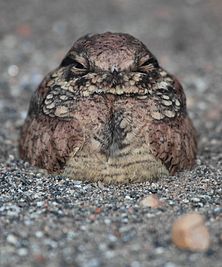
(39, 234)
(13, 70)
(12, 239)
(22, 252)
(195, 199)
(40, 203)
(159, 250)
(189, 232)
(151, 201)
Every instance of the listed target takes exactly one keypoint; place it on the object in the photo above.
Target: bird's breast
(116, 147)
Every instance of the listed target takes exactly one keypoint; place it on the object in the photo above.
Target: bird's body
(109, 112)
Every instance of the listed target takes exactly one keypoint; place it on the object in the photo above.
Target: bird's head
(114, 63)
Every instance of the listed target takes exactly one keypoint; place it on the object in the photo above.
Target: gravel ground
(56, 222)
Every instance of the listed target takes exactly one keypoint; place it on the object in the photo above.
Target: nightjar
(109, 112)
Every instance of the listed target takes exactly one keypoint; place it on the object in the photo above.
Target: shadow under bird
(109, 112)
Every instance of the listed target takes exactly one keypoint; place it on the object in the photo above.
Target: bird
(109, 112)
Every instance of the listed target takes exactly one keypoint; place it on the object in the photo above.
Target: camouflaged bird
(109, 112)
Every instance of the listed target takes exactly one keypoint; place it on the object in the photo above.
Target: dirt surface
(53, 221)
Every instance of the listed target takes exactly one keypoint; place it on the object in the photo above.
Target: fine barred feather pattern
(109, 112)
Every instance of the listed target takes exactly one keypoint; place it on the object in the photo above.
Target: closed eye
(78, 65)
(151, 61)
(68, 61)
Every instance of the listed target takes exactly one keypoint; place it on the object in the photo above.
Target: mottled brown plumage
(109, 112)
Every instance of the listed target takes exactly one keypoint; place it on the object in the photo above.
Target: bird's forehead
(108, 49)
(106, 58)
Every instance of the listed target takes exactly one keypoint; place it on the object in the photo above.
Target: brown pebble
(189, 232)
(98, 210)
(151, 201)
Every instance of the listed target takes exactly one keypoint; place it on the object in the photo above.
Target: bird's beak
(114, 70)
